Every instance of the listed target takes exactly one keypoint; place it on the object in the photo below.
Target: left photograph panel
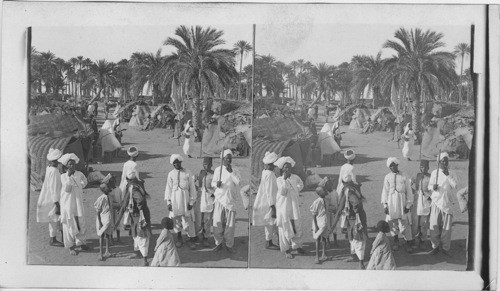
(139, 145)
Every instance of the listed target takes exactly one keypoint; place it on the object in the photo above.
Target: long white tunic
(71, 195)
(226, 195)
(51, 193)
(442, 197)
(206, 200)
(129, 166)
(347, 175)
(287, 199)
(180, 190)
(397, 194)
(266, 197)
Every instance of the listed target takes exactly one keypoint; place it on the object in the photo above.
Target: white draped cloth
(266, 197)
(346, 174)
(50, 193)
(327, 140)
(442, 197)
(287, 205)
(181, 191)
(409, 137)
(128, 166)
(226, 195)
(188, 141)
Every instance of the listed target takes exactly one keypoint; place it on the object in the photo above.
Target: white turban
(133, 151)
(66, 157)
(392, 160)
(54, 154)
(269, 158)
(283, 160)
(442, 156)
(175, 157)
(227, 152)
(350, 156)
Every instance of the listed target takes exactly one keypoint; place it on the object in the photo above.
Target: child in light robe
(320, 223)
(206, 191)
(104, 220)
(115, 197)
(165, 251)
(381, 254)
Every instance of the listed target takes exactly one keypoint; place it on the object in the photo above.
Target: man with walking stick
(442, 181)
(227, 181)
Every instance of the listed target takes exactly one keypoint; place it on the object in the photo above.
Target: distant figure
(310, 113)
(408, 138)
(316, 111)
(189, 133)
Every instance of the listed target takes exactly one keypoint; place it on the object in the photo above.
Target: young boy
(320, 223)
(104, 220)
(422, 203)
(115, 197)
(206, 198)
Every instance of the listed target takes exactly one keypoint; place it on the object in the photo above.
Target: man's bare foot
(288, 255)
(217, 248)
(100, 258)
(84, 248)
(317, 261)
(324, 258)
(108, 255)
(72, 252)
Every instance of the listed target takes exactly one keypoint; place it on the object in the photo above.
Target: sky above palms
(313, 39)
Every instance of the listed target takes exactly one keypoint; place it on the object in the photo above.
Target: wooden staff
(439, 163)
(221, 164)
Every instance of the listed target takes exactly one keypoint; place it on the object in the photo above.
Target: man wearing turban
(180, 194)
(442, 181)
(48, 207)
(130, 166)
(346, 176)
(227, 181)
(288, 208)
(397, 199)
(264, 207)
(72, 210)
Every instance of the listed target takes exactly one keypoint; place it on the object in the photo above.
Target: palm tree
(146, 68)
(124, 78)
(102, 76)
(342, 78)
(241, 47)
(366, 73)
(421, 67)
(198, 62)
(321, 78)
(462, 49)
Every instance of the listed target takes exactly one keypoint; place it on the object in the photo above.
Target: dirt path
(372, 150)
(155, 147)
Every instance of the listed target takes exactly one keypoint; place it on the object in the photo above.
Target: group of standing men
(412, 206)
(211, 193)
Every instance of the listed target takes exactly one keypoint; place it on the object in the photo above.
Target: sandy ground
(155, 147)
(372, 151)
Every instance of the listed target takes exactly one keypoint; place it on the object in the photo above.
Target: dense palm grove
(418, 71)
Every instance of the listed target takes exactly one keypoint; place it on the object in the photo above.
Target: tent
(453, 134)
(64, 132)
(279, 128)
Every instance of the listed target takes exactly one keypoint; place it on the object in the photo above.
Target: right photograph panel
(361, 140)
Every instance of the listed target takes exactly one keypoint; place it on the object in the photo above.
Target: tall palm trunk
(239, 76)
(460, 85)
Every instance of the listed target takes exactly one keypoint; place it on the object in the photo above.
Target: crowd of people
(417, 209)
(124, 207)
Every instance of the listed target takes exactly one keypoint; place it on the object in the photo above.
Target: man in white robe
(264, 207)
(227, 181)
(72, 210)
(180, 194)
(397, 199)
(346, 176)
(48, 207)
(442, 181)
(288, 209)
